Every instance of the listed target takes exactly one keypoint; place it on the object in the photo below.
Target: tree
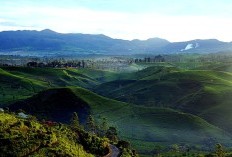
(175, 148)
(219, 150)
(112, 134)
(83, 63)
(32, 64)
(90, 124)
(124, 144)
(75, 121)
(103, 126)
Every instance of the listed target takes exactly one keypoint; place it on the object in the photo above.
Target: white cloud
(119, 25)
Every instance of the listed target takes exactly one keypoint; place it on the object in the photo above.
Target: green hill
(20, 82)
(205, 93)
(54, 77)
(54, 104)
(14, 87)
(100, 75)
(218, 66)
(142, 126)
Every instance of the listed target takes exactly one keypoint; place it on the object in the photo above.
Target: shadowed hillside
(54, 104)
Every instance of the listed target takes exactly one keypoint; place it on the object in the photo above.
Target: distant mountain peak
(47, 31)
(156, 38)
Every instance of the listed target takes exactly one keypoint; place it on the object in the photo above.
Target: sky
(174, 20)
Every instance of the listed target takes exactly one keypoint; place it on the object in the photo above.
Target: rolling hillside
(14, 87)
(226, 67)
(142, 126)
(54, 77)
(205, 93)
(21, 82)
(200, 101)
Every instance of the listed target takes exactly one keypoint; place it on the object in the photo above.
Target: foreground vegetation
(27, 136)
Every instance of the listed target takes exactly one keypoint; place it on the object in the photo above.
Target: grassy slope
(203, 92)
(213, 99)
(19, 137)
(56, 104)
(14, 87)
(100, 75)
(54, 77)
(20, 82)
(142, 125)
(218, 66)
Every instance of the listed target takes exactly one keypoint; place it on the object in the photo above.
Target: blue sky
(175, 20)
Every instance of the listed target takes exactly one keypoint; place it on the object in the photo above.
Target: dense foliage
(30, 137)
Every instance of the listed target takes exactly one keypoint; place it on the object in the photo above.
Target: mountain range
(50, 43)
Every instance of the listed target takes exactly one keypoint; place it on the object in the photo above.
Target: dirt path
(114, 151)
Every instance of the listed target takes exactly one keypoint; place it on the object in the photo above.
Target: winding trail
(114, 151)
